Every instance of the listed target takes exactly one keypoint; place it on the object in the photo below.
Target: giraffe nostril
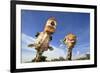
(52, 23)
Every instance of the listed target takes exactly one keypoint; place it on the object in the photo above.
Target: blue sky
(67, 22)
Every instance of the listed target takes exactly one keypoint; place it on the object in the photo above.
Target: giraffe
(43, 39)
(69, 41)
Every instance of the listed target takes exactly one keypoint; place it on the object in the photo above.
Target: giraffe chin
(49, 29)
(70, 45)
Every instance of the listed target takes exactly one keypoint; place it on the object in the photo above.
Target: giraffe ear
(50, 38)
(37, 34)
(63, 41)
(31, 45)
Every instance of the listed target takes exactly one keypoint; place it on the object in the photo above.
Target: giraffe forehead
(71, 36)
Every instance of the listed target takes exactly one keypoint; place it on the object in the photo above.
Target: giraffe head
(70, 40)
(50, 25)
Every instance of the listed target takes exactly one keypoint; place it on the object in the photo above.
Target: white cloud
(61, 46)
(78, 52)
(79, 55)
(27, 53)
(56, 53)
(26, 40)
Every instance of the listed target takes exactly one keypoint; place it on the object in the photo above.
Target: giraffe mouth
(70, 40)
(50, 29)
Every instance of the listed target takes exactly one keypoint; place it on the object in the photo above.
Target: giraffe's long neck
(69, 54)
